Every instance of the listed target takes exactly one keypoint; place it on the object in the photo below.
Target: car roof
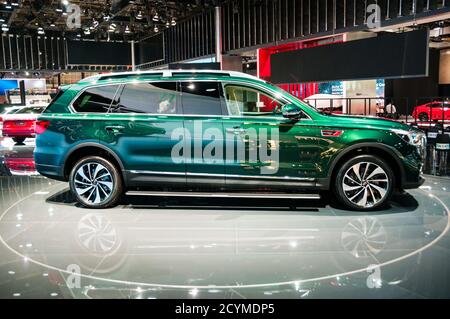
(165, 74)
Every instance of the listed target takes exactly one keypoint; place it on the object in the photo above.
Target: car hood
(368, 122)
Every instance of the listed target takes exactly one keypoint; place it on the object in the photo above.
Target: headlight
(415, 138)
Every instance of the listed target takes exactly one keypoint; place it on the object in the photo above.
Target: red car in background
(432, 111)
(20, 125)
(5, 112)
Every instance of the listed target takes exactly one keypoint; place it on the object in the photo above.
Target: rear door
(141, 128)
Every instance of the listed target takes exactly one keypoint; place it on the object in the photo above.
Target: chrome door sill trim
(224, 195)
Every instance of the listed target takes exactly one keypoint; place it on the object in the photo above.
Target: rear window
(201, 98)
(30, 110)
(150, 98)
(96, 100)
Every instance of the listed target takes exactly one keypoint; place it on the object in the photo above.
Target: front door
(263, 148)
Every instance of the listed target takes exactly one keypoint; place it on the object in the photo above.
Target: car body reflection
(18, 161)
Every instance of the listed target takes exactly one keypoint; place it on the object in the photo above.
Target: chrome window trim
(72, 109)
(238, 81)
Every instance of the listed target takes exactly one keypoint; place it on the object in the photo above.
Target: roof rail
(167, 73)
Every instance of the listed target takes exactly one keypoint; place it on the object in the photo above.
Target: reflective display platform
(167, 247)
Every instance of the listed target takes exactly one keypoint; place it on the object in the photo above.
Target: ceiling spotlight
(2, 20)
(174, 22)
(65, 2)
(78, 35)
(156, 17)
(53, 24)
(15, 3)
(139, 16)
(27, 73)
(59, 10)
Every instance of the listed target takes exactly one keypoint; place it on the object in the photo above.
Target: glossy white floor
(191, 248)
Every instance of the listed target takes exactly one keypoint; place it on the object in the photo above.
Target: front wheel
(364, 183)
(96, 183)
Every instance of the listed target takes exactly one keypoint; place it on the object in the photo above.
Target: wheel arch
(390, 155)
(86, 149)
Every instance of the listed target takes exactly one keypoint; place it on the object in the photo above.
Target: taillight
(7, 125)
(41, 126)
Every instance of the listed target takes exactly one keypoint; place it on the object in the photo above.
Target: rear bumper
(52, 172)
(24, 133)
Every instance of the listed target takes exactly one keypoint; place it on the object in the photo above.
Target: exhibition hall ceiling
(100, 19)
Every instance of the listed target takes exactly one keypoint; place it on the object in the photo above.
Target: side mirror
(292, 111)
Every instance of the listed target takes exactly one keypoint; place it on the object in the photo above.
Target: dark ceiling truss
(252, 23)
(246, 24)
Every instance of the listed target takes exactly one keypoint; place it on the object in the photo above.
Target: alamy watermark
(257, 148)
(374, 279)
(74, 279)
(73, 12)
(373, 20)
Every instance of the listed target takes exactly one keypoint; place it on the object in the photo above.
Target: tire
(96, 183)
(356, 192)
(19, 140)
(423, 117)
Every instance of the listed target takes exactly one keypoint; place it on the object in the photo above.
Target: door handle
(115, 129)
(236, 130)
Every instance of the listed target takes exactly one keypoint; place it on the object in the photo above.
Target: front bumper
(413, 185)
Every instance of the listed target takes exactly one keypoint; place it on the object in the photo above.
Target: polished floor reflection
(217, 248)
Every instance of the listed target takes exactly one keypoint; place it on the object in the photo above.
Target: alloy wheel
(364, 237)
(94, 183)
(365, 184)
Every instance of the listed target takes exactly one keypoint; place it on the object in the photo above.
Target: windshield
(303, 102)
(297, 99)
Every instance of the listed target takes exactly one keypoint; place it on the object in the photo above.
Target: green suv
(217, 132)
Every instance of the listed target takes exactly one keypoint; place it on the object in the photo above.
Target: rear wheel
(364, 183)
(423, 117)
(96, 183)
(19, 140)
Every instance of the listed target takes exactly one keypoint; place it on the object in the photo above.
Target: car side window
(201, 98)
(148, 98)
(246, 101)
(96, 99)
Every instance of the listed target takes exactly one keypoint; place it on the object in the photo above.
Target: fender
(396, 155)
(98, 145)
